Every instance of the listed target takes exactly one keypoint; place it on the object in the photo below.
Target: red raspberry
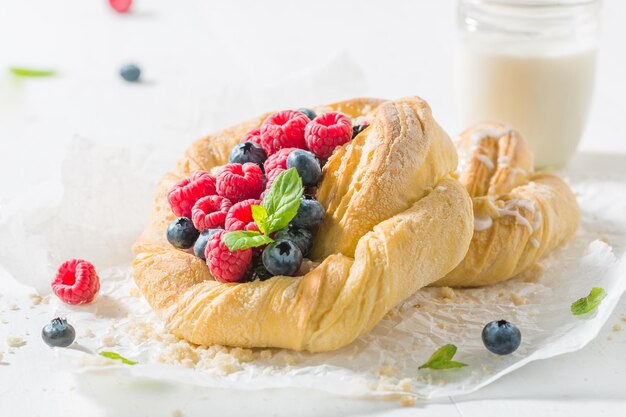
(240, 182)
(210, 212)
(239, 216)
(326, 132)
(226, 266)
(253, 136)
(76, 282)
(278, 160)
(270, 178)
(185, 193)
(120, 6)
(284, 129)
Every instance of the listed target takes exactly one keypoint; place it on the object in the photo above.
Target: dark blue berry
(358, 129)
(130, 73)
(261, 273)
(181, 233)
(501, 337)
(310, 213)
(248, 152)
(303, 238)
(307, 165)
(58, 333)
(282, 258)
(308, 113)
(203, 239)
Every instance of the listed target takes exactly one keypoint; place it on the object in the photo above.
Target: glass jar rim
(523, 4)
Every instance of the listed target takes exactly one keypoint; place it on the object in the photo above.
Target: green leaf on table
(589, 303)
(283, 200)
(442, 359)
(31, 72)
(259, 215)
(117, 356)
(243, 239)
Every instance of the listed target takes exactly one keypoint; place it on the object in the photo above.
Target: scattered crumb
(95, 360)
(486, 370)
(36, 299)
(88, 333)
(266, 354)
(177, 413)
(441, 325)
(609, 337)
(533, 273)
(518, 300)
(134, 292)
(14, 307)
(446, 293)
(408, 400)
(623, 318)
(290, 359)
(4, 321)
(617, 327)
(441, 382)
(15, 341)
(109, 341)
(387, 371)
(1, 356)
(405, 384)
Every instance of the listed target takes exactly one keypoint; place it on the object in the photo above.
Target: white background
(207, 65)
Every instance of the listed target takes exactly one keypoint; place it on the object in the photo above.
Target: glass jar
(530, 64)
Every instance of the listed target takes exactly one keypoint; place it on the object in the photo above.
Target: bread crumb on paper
(177, 413)
(446, 293)
(15, 341)
(617, 327)
(408, 400)
(518, 300)
(14, 307)
(36, 299)
(109, 341)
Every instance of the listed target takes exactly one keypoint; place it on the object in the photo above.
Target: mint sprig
(31, 72)
(442, 359)
(589, 303)
(117, 356)
(277, 209)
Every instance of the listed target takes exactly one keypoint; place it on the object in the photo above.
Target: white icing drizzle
(441, 188)
(538, 219)
(482, 223)
(509, 210)
(534, 242)
(485, 160)
(504, 160)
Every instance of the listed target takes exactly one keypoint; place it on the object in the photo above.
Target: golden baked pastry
(397, 220)
(519, 215)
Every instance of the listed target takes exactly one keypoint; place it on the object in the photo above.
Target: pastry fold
(397, 220)
(519, 215)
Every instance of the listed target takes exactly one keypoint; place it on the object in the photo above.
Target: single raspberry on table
(239, 216)
(240, 182)
(184, 194)
(326, 132)
(284, 129)
(120, 6)
(278, 160)
(253, 136)
(210, 212)
(76, 282)
(226, 266)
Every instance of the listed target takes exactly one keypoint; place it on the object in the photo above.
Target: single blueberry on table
(310, 213)
(307, 165)
(130, 73)
(201, 242)
(501, 337)
(303, 238)
(282, 257)
(247, 152)
(308, 113)
(181, 233)
(58, 333)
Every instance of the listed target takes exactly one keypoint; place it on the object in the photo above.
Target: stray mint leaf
(589, 303)
(283, 200)
(31, 72)
(117, 356)
(245, 239)
(259, 214)
(442, 359)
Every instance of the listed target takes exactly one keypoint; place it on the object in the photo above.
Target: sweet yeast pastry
(519, 215)
(396, 220)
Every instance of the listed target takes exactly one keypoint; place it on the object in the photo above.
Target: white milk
(545, 96)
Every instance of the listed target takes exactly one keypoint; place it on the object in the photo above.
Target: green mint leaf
(31, 72)
(242, 239)
(259, 214)
(589, 303)
(442, 359)
(117, 356)
(283, 200)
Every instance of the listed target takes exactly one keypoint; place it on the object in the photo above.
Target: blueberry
(307, 165)
(130, 73)
(58, 333)
(310, 213)
(308, 113)
(203, 239)
(501, 337)
(282, 258)
(261, 273)
(248, 152)
(303, 238)
(358, 129)
(181, 233)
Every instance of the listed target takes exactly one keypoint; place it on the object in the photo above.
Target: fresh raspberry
(270, 178)
(226, 266)
(210, 212)
(239, 216)
(253, 136)
(278, 160)
(76, 282)
(326, 132)
(185, 193)
(284, 129)
(120, 6)
(240, 182)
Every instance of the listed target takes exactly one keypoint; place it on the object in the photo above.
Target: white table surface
(208, 65)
